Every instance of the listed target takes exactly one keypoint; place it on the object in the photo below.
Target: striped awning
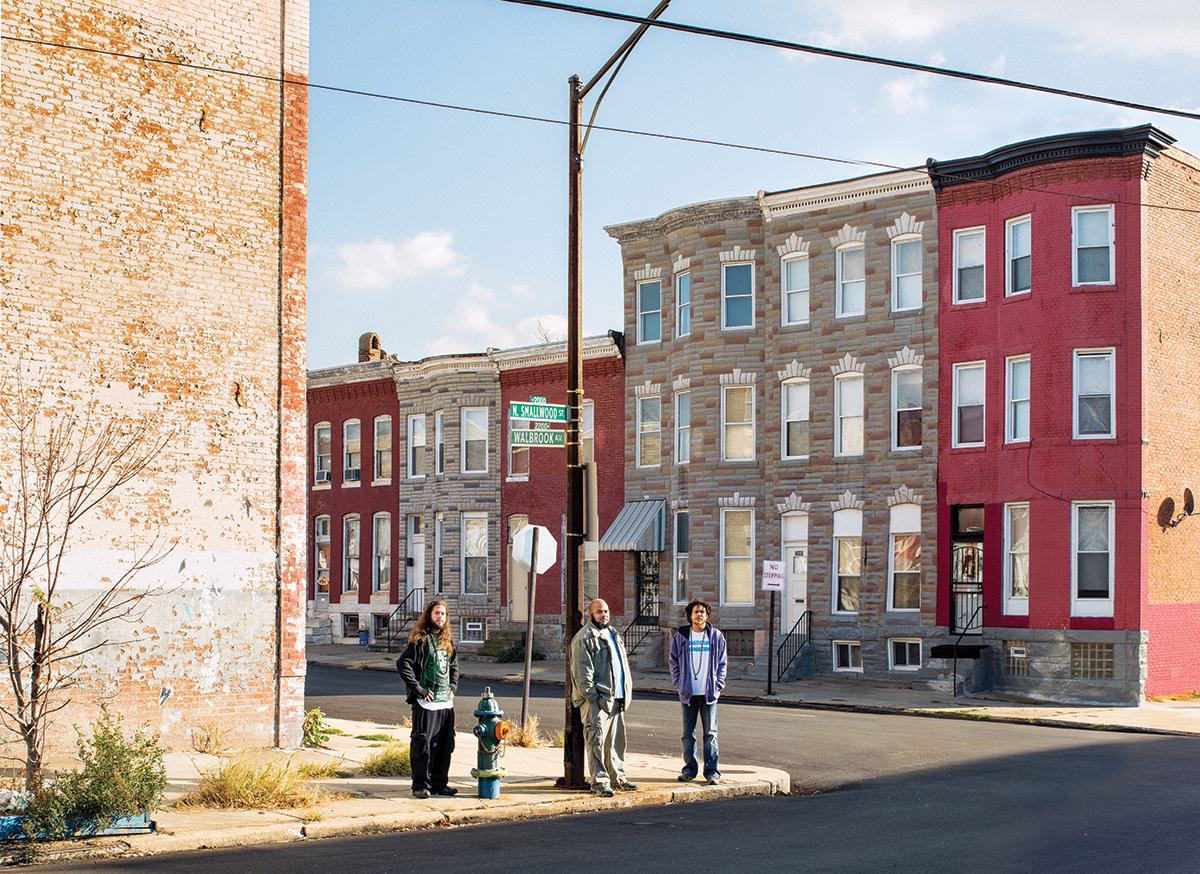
(637, 528)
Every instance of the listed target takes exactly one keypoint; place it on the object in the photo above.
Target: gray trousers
(604, 735)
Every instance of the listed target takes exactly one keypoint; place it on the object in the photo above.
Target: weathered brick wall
(1171, 336)
(153, 254)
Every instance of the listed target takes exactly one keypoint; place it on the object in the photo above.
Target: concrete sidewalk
(851, 694)
(359, 804)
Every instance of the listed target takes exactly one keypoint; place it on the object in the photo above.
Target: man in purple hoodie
(698, 667)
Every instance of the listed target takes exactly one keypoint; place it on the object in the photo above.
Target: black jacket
(411, 665)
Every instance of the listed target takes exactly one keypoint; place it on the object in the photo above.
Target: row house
(416, 491)
(781, 391)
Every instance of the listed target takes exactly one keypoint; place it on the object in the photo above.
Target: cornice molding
(906, 357)
(737, 500)
(793, 503)
(739, 377)
(793, 245)
(681, 383)
(847, 364)
(904, 495)
(905, 224)
(647, 272)
(647, 389)
(681, 264)
(737, 253)
(692, 215)
(794, 370)
(846, 501)
(848, 234)
(878, 185)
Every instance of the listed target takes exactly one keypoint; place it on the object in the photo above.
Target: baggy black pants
(431, 744)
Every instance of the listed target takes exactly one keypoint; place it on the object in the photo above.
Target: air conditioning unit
(322, 476)
(353, 474)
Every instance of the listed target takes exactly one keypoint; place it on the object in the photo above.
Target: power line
(476, 110)
(771, 42)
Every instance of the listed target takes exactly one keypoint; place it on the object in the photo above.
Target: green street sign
(523, 437)
(537, 412)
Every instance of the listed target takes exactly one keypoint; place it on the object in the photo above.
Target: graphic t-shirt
(699, 656)
(436, 678)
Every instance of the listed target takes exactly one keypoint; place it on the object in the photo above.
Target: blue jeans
(707, 713)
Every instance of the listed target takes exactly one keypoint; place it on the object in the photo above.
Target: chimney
(368, 347)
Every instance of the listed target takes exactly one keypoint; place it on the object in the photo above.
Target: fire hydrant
(492, 732)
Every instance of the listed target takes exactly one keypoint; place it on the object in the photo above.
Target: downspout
(279, 389)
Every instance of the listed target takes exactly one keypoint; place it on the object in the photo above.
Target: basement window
(847, 656)
(1091, 661)
(473, 631)
(1015, 661)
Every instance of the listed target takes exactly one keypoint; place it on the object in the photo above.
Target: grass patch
(329, 729)
(392, 761)
(1182, 696)
(377, 736)
(319, 770)
(311, 814)
(406, 722)
(209, 739)
(528, 735)
(557, 739)
(253, 782)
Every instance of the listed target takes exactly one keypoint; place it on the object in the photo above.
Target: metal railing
(970, 624)
(637, 631)
(406, 611)
(792, 644)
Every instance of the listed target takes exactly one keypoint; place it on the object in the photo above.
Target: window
(737, 423)
(474, 553)
(323, 453)
(737, 556)
(683, 545)
(383, 447)
(795, 418)
(518, 456)
(904, 654)
(587, 432)
(969, 392)
(1094, 379)
(969, 281)
(439, 561)
(416, 447)
(851, 281)
(439, 439)
(1092, 242)
(1016, 417)
(379, 625)
(906, 408)
(847, 560)
(321, 558)
(683, 427)
(350, 553)
(737, 296)
(351, 451)
(1016, 559)
(381, 573)
(349, 625)
(1017, 249)
(1015, 658)
(683, 304)
(1091, 661)
(474, 440)
(795, 289)
(473, 631)
(1092, 560)
(904, 560)
(649, 432)
(848, 414)
(649, 295)
(906, 273)
(847, 655)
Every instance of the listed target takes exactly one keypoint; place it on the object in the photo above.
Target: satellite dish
(1189, 504)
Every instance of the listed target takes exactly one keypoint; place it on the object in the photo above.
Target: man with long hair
(429, 666)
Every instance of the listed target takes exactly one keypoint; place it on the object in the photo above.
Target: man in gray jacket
(603, 687)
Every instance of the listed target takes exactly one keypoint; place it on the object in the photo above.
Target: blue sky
(444, 231)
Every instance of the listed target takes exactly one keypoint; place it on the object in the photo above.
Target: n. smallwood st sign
(537, 410)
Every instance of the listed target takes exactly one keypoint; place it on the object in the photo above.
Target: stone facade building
(152, 229)
(781, 403)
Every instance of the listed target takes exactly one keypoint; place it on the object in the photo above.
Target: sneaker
(420, 793)
(603, 791)
(686, 778)
(626, 786)
(447, 791)
(712, 779)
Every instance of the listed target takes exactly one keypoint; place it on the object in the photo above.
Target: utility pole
(574, 774)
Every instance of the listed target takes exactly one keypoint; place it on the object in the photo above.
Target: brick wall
(153, 255)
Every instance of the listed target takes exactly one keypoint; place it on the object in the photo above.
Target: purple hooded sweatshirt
(718, 665)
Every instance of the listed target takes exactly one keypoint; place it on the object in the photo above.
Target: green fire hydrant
(492, 732)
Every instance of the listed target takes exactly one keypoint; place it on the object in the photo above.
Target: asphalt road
(895, 794)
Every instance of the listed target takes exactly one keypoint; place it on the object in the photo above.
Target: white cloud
(907, 93)
(479, 319)
(381, 264)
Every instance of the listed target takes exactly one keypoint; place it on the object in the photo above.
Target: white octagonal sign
(547, 549)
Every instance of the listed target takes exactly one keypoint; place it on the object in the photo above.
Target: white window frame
(439, 441)
(468, 625)
(958, 234)
(724, 267)
(680, 557)
(641, 339)
(413, 446)
(320, 540)
(846, 520)
(725, 511)
(838, 381)
(681, 430)
(852, 644)
(346, 520)
(955, 443)
(377, 453)
(1076, 211)
(1015, 605)
(785, 417)
(1076, 354)
(346, 452)
(785, 292)
(462, 439)
(376, 555)
(637, 445)
(1009, 257)
(896, 243)
(1093, 606)
(462, 550)
(892, 666)
(679, 307)
(904, 520)
(840, 311)
(896, 371)
(518, 425)
(317, 456)
(725, 424)
(439, 541)
(1010, 401)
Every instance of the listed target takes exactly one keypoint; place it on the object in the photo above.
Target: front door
(518, 577)
(415, 578)
(795, 566)
(966, 570)
(646, 605)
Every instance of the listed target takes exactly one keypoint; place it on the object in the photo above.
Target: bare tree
(546, 334)
(67, 465)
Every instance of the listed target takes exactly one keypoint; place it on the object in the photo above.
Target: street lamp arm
(624, 50)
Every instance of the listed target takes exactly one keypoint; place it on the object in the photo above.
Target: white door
(415, 578)
(795, 566)
(518, 578)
